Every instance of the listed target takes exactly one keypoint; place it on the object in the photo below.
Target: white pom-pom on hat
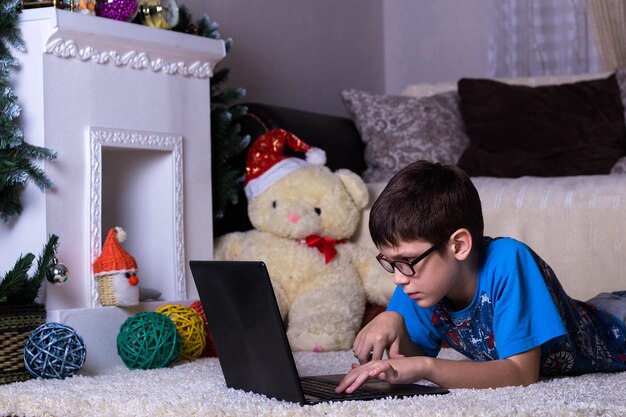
(120, 234)
(316, 156)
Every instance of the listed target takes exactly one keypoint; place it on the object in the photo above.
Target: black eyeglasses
(406, 268)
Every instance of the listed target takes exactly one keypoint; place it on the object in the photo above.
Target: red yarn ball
(209, 349)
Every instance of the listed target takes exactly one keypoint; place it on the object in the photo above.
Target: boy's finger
(346, 381)
(394, 350)
(359, 348)
(359, 380)
(377, 352)
(364, 355)
(357, 342)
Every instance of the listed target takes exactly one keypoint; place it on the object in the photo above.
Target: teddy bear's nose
(293, 218)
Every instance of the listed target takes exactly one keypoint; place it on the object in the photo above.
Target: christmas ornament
(190, 327)
(87, 7)
(160, 14)
(57, 273)
(116, 272)
(54, 350)
(148, 340)
(124, 10)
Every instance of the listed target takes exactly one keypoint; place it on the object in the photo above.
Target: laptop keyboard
(324, 389)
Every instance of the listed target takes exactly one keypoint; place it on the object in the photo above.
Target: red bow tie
(325, 245)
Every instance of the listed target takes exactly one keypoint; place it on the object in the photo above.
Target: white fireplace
(127, 108)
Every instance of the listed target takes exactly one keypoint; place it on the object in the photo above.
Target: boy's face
(436, 276)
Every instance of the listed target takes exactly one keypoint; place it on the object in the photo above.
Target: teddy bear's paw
(228, 246)
(318, 342)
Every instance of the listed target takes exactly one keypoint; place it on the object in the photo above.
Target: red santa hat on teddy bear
(267, 162)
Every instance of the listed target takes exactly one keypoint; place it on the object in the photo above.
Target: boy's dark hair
(426, 201)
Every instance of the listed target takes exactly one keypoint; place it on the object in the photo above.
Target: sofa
(577, 223)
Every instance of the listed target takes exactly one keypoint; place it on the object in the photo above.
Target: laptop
(252, 346)
(253, 349)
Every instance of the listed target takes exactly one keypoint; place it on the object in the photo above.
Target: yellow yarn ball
(190, 327)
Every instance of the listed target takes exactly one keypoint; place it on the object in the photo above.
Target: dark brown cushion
(556, 130)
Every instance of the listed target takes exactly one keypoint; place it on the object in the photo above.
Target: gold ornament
(161, 14)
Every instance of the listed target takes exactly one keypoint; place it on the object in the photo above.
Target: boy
(494, 300)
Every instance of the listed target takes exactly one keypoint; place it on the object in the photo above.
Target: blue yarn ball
(54, 350)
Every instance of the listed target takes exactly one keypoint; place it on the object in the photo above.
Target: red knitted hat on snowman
(114, 258)
(267, 162)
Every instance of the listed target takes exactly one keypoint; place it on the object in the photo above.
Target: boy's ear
(462, 243)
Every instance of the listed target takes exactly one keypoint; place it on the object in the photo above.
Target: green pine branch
(228, 95)
(220, 76)
(9, 30)
(10, 204)
(233, 141)
(185, 21)
(44, 262)
(16, 288)
(14, 280)
(16, 156)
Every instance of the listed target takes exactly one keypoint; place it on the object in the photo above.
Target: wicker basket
(17, 322)
(106, 291)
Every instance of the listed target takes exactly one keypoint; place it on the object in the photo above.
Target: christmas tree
(16, 166)
(227, 141)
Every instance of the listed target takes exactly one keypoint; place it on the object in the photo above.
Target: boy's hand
(385, 332)
(521, 369)
(394, 371)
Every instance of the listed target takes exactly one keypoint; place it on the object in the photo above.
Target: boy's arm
(520, 369)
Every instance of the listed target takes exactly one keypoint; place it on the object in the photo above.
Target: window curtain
(609, 22)
(541, 37)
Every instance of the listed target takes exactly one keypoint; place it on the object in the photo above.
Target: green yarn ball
(148, 340)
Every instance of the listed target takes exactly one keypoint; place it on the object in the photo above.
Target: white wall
(439, 40)
(302, 53)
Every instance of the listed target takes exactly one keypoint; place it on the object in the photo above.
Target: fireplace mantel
(108, 42)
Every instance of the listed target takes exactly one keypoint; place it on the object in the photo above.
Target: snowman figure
(116, 272)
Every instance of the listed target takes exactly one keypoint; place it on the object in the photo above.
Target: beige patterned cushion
(398, 130)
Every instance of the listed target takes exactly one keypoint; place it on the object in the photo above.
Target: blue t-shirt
(519, 304)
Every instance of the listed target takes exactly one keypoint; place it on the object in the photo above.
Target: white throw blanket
(197, 389)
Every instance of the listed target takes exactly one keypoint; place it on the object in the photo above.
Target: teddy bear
(303, 216)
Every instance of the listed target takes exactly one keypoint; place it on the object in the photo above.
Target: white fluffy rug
(197, 389)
